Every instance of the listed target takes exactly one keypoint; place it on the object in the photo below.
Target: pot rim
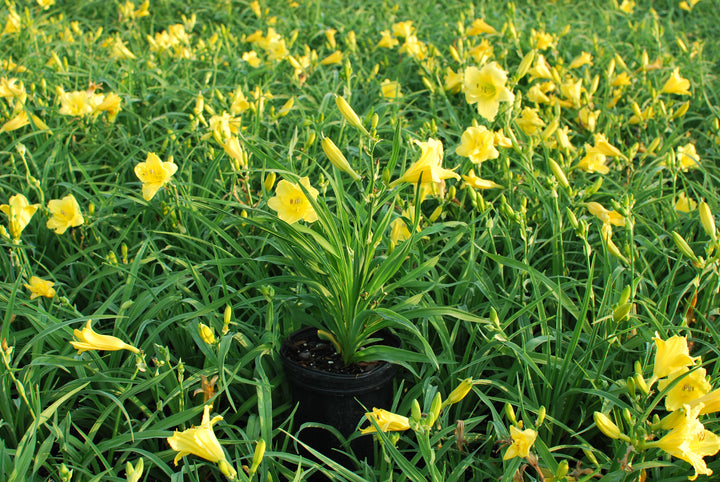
(322, 380)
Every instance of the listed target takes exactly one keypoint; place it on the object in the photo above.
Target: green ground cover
(527, 196)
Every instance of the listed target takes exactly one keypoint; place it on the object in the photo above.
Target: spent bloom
(201, 441)
(676, 84)
(291, 203)
(477, 143)
(522, 440)
(486, 88)
(88, 339)
(154, 173)
(19, 211)
(65, 214)
(387, 421)
(427, 169)
(40, 287)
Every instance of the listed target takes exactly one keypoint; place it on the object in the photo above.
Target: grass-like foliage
(524, 192)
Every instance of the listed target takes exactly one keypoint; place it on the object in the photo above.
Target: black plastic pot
(336, 399)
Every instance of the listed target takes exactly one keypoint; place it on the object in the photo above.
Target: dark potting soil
(312, 352)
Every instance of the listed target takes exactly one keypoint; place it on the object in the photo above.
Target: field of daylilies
(525, 193)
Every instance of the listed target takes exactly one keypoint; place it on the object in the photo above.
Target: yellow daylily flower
(676, 84)
(672, 355)
(477, 144)
(65, 214)
(206, 333)
(201, 441)
(19, 212)
(428, 168)
(604, 215)
(684, 204)
(522, 440)
(486, 88)
(154, 174)
(478, 183)
(291, 203)
(689, 441)
(40, 287)
(334, 58)
(388, 421)
(691, 387)
(687, 157)
(390, 89)
(593, 161)
(479, 26)
(387, 40)
(529, 121)
(88, 339)
(583, 59)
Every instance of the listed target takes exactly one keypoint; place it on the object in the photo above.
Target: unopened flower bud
(561, 470)
(349, 114)
(707, 220)
(606, 425)
(226, 319)
(510, 414)
(337, 158)
(206, 333)
(459, 392)
(525, 64)
(683, 246)
(227, 469)
(435, 408)
(559, 174)
(541, 416)
(621, 312)
(415, 411)
(257, 457)
(269, 181)
(641, 383)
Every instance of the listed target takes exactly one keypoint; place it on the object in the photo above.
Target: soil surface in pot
(312, 352)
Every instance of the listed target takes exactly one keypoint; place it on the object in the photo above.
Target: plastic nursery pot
(335, 399)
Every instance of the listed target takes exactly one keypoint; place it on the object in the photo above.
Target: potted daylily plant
(349, 249)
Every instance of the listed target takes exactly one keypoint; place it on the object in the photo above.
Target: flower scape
(523, 192)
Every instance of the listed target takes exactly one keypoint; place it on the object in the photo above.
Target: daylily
(672, 355)
(604, 215)
(390, 89)
(676, 84)
(478, 183)
(291, 203)
(40, 287)
(65, 214)
(19, 212)
(684, 204)
(687, 157)
(583, 59)
(529, 121)
(477, 143)
(593, 161)
(486, 88)
(201, 441)
(88, 339)
(522, 440)
(387, 421)
(689, 441)
(428, 168)
(479, 26)
(154, 174)
(691, 387)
